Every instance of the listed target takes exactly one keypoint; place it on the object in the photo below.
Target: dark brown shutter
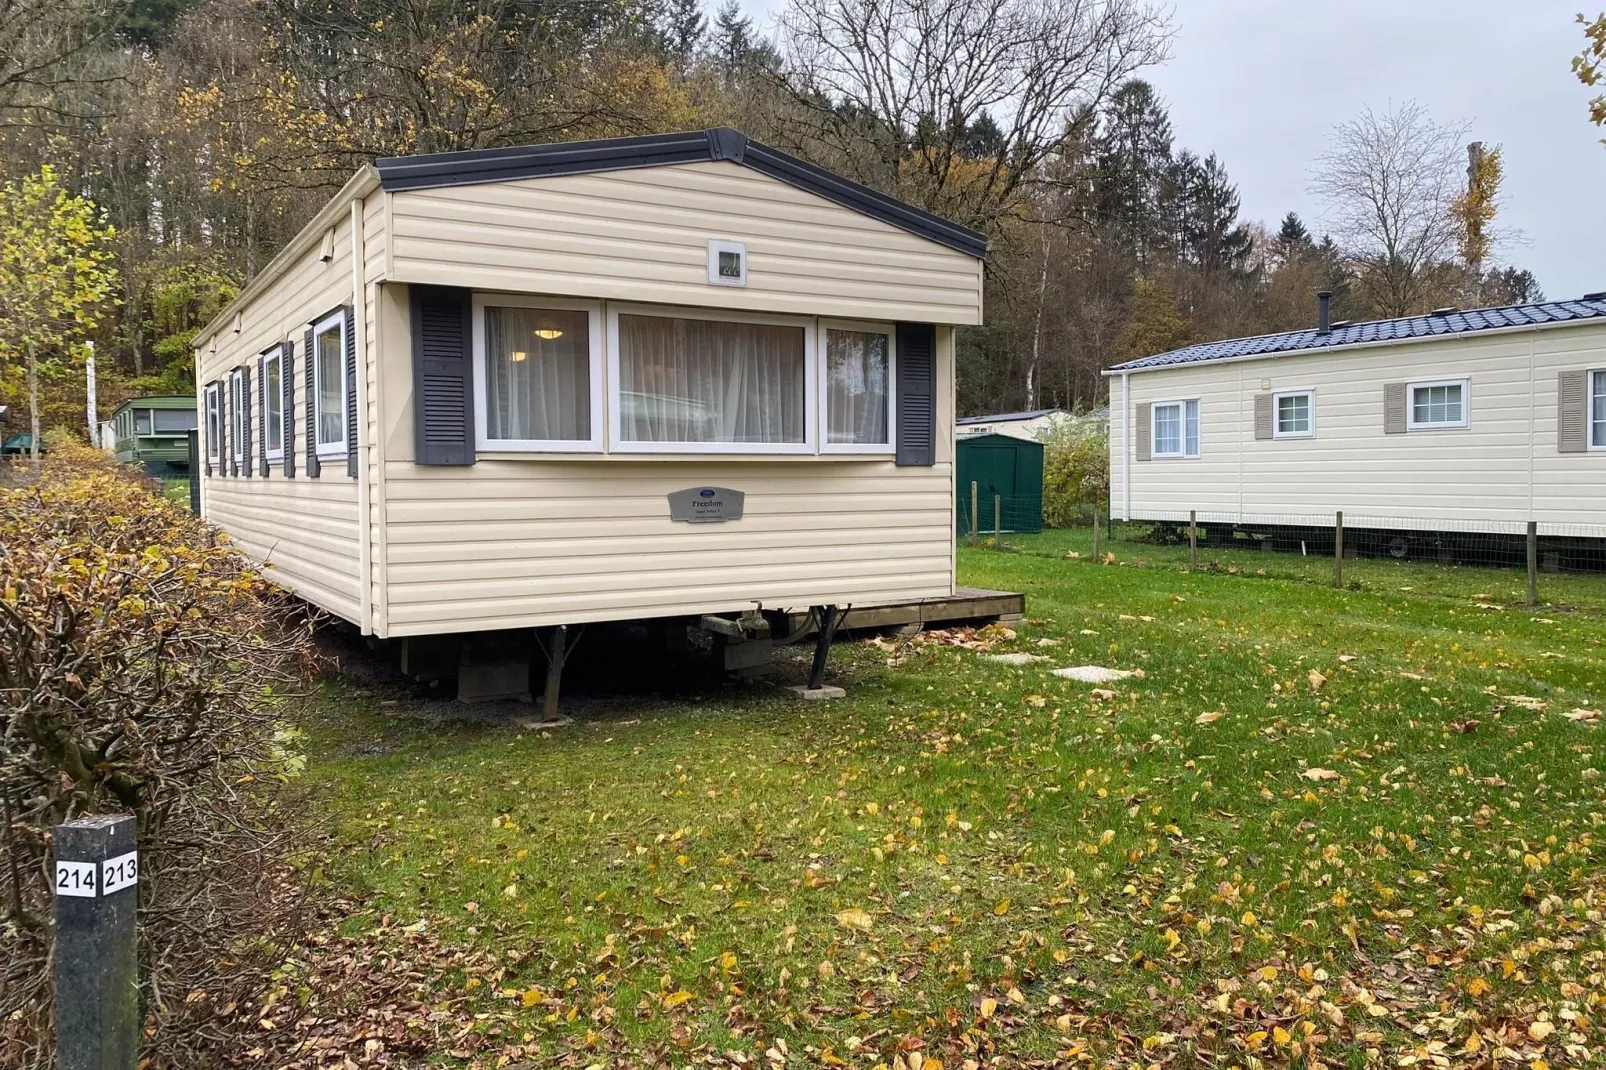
(1263, 416)
(443, 375)
(917, 394)
(1572, 411)
(310, 358)
(1394, 402)
(262, 407)
(287, 379)
(351, 392)
(1144, 429)
(246, 460)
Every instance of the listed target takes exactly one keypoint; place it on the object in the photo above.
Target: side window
(214, 426)
(1175, 430)
(1438, 405)
(237, 414)
(1294, 414)
(328, 372)
(273, 404)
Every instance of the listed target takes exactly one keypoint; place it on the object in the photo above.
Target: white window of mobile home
(857, 387)
(1438, 404)
(1293, 414)
(214, 425)
(237, 414)
(1597, 410)
(329, 384)
(537, 374)
(710, 382)
(273, 403)
(1174, 428)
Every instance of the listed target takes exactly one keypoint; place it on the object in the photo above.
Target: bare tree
(1390, 181)
(955, 104)
(47, 45)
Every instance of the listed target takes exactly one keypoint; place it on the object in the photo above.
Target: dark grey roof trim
(1403, 329)
(397, 173)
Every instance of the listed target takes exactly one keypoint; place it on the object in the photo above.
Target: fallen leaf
(675, 999)
(854, 918)
(1102, 695)
(989, 1007)
(1477, 987)
(1346, 658)
(1464, 727)
(1581, 714)
(1209, 718)
(1318, 773)
(1316, 680)
(1540, 1030)
(1001, 907)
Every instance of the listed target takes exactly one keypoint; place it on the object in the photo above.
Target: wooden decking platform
(967, 604)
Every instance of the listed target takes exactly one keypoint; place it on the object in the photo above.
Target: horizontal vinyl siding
(642, 235)
(305, 529)
(1501, 471)
(519, 543)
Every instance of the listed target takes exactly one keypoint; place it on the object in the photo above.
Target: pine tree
(685, 28)
(1134, 160)
(1292, 237)
(1217, 241)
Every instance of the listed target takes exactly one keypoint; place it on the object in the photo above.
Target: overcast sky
(1261, 83)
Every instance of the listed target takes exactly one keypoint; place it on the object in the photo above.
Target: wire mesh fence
(1493, 562)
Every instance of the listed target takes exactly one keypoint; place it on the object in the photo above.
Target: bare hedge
(142, 666)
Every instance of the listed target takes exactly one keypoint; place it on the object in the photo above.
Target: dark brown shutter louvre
(917, 394)
(443, 375)
(1572, 411)
(246, 461)
(310, 359)
(1394, 422)
(1143, 429)
(1263, 416)
(262, 407)
(287, 378)
(351, 392)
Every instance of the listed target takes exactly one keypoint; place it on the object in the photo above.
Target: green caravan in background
(153, 432)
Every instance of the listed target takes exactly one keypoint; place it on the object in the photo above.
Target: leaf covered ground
(1318, 828)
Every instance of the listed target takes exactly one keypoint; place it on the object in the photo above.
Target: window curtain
(684, 380)
(537, 374)
(331, 388)
(856, 378)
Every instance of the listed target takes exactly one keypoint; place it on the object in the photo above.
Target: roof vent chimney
(1324, 311)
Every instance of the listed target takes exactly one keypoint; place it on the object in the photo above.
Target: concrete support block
(816, 694)
(495, 665)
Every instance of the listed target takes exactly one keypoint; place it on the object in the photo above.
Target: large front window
(537, 375)
(1176, 428)
(173, 421)
(858, 388)
(329, 385)
(721, 385)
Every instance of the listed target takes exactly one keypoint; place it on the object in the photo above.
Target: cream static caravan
(462, 398)
(1459, 421)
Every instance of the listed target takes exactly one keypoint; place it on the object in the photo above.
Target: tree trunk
(33, 404)
(1037, 328)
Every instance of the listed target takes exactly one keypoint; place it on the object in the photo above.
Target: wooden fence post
(1533, 562)
(998, 521)
(1193, 540)
(1096, 530)
(97, 988)
(1338, 549)
(975, 521)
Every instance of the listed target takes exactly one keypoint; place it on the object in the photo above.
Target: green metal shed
(1004, 468)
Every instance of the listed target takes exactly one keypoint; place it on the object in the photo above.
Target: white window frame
(1421, 384)
(811, 379)
(1182, 430)
(214, 423)
(1591, 393)
(822, 387)
(274, 356)
(328, 451)
(717, 246)
(593, 311)
(237, 415)
(1276, 420)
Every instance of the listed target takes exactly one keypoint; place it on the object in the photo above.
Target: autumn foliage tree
(1588, 64)
(56, 276)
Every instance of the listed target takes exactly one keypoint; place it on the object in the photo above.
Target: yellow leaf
(1209, 718)
(1540, 1030)
(989, 1007)
(854, 918)
(1249, 918)
(675, 999)
(1474, 1043)
(531, 997)
(1001, 907)
(1477, 987)
(1267, 973)
(1279, 1035)
(1316, 680)
(1256, 1039)
(1318, 773)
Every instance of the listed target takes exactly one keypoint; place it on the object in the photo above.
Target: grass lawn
(1323, 827)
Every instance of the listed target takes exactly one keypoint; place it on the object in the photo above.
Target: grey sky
(1261, 83)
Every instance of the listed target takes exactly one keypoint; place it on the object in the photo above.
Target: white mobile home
(485, 390)
(1028, 425)
(1480, 420)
